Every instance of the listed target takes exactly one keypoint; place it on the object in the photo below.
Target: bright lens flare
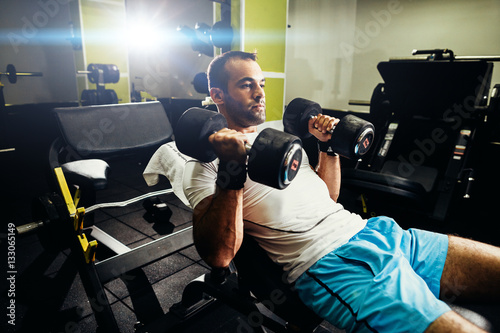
(143, 36)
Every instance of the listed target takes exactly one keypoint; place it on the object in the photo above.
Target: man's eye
(246, 85)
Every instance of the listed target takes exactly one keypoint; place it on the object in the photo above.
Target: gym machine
(100, 74)
(430, 114)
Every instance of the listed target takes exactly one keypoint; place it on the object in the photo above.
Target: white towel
(169, 162)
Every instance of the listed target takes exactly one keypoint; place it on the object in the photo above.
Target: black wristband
(326, 147)
(231, 175)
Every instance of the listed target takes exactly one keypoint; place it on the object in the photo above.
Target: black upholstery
(102, 130)
(266, 281)
(92, 135)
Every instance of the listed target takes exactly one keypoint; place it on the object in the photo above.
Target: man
(360, 275)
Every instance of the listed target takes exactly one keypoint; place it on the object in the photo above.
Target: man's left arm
(328, 168)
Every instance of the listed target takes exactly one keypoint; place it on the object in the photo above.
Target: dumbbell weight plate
(274, 158)
(192, 132)
(352, 137)
(297, 114)
(111, 73)
(89, 97)
(200, 83)
(52, 210)
(108, 96)
(12, 77)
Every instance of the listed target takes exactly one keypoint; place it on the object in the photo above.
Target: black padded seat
(93, 172)
(384, 183)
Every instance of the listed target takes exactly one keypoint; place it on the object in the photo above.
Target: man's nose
(259, 93)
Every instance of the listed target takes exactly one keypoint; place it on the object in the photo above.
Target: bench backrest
(102, 130)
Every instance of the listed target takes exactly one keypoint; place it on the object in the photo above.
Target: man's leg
(452, 322)
(471, 271)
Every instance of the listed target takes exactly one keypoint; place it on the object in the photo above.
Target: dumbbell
(157, 209)
(352, 137)
(102, 73)
(273, 159)
(98, 97)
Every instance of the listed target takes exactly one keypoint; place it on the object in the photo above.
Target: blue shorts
(385, 279)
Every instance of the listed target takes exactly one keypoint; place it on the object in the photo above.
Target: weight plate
(89, 97)
(221, 35)
(274, 158)
(56, 233)
(200, 83)
(193, 129)
(352, 137)
(111, 73)
(94, 75)
(12, 76)
(109, 96)
(297, 114)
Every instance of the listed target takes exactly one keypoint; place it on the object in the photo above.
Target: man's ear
(217, 95)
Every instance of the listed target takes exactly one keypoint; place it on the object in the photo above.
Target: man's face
(244, 100)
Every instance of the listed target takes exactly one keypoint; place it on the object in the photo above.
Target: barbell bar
(12, 73)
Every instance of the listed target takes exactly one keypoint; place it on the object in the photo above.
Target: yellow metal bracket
(78, 219)
(89, 248)
(363, 203)
(77, 216)
(76, 197)
(65, 191)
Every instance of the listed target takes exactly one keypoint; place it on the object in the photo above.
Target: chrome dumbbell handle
(330, 131)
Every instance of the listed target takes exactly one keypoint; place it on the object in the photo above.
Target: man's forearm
(218, 227)
(328, 169)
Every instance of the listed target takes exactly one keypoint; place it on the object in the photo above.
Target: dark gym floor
(49, 295)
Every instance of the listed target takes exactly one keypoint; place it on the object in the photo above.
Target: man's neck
(232, 125)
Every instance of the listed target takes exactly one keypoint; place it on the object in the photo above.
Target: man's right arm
(218, 219)
(218, 227)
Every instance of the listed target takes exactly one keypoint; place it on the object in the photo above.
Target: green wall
(103, 31)
(260, 26)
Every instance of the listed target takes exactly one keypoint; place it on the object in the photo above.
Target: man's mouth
(258, 106)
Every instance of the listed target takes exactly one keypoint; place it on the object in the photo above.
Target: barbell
(12, 73)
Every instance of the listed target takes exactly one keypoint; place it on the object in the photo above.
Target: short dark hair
(217, 74)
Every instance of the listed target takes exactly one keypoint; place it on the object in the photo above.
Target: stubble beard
(246, 116)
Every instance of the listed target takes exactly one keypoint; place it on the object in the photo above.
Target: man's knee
(471, 270)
